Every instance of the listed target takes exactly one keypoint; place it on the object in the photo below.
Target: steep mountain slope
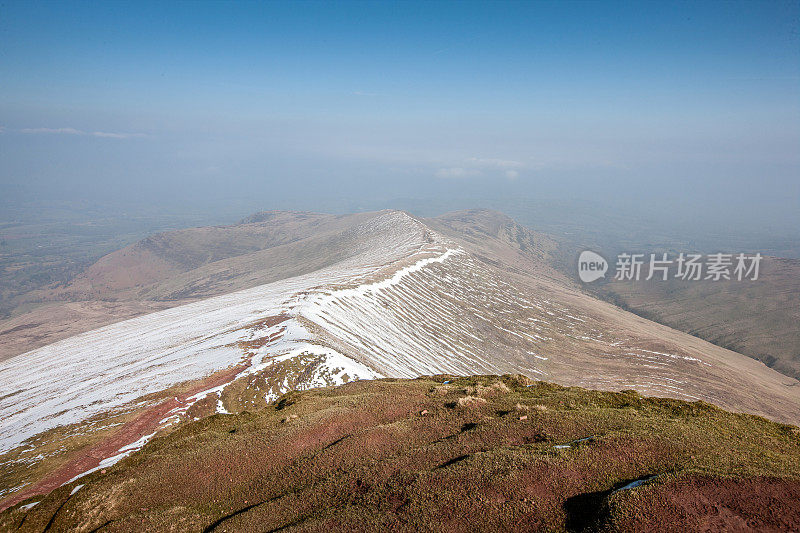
(446, 454)
(403, 301)
(760, 319)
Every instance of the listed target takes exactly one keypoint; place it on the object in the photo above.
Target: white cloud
(481, 166)
(111, 135)
(65, 131)
(73, 131)
(490, 162)
(456, 172)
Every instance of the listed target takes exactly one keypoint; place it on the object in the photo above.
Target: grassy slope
(474, 454)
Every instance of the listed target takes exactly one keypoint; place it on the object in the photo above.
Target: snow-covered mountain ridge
(409, 302)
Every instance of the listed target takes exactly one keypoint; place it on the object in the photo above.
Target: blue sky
(679, 102)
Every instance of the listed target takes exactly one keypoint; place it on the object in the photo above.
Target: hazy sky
(665, 104)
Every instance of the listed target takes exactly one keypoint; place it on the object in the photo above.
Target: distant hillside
(201, 262)
(172, 268)
(445, 454)
(760, 319)
(498, 240)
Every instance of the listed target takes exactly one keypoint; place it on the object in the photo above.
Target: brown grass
(361, 457)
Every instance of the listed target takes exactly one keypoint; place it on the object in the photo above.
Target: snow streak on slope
(71, 380)
(401, 325)
(457, 316)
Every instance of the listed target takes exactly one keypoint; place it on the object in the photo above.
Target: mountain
(300, 301)
(757, 318)
(483, 453)
(172, 268)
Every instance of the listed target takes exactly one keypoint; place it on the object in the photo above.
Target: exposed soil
(144, 424)
(268, 322)
(700, 503)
